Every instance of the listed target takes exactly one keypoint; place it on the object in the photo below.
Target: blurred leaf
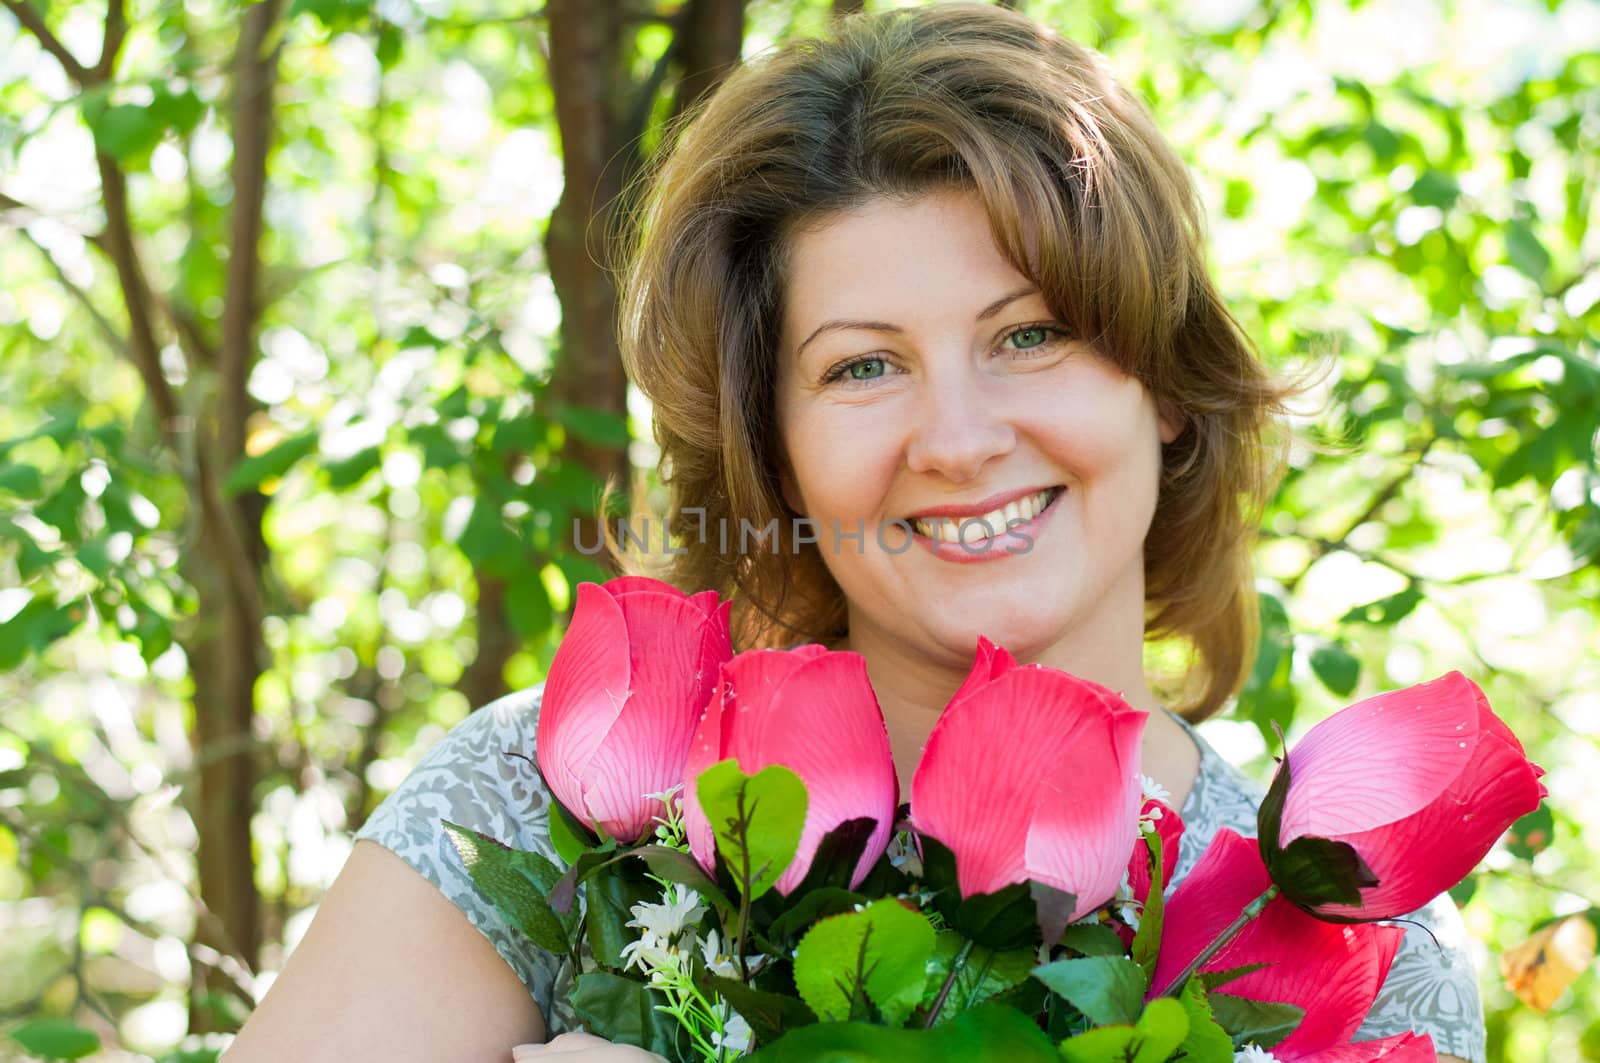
(1336, 667)
(1532, 834)
(22, 480)
(274, 462)
(1385, 611)
(56, 1039)
(1525, 251)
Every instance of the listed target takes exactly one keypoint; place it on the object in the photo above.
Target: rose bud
(1032, 774)
(1387, 803)
(626, 688)
(813, 711)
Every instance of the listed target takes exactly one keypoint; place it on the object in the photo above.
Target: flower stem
(1230, 932)
(949, 983)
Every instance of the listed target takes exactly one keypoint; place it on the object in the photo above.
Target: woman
(932, 278)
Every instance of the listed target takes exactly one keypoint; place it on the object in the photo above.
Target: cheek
(838, 470)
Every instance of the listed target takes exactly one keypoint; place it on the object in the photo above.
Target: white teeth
(969, 530)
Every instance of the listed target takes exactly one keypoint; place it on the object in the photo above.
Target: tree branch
(34, 23)
(116, 340)
(116, 32)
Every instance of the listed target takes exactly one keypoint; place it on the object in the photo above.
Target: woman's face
(922, 376)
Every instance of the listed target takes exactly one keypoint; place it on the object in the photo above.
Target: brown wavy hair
(1084, 197)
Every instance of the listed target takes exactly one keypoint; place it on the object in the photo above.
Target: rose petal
(588, 685)
(1382, 758)
(1401, 1048)
(824, 724)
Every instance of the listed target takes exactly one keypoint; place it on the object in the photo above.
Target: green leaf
(177, 110)
(1259, 1022)
(390, 41)
(769, 1014)
(333, 14)
(881, 951)
(1147, 939)
(984, 973)
(1109, 990)
(1336, 667)
(601, 427)
(56, 1039)
(1525, 252)
(1435, 189)
(609, 899)
(347, 472)
(34, 627)
(624, 1011)
(93, 555)
(1093, 939)
(1107, 1044)
(1161, 1029)
(567, 843)
(528, 605)
(676, 866)
(1385, 611)
(1463, 891)
(518, 883)
(985, 1034)
(127, 132)
(24, 481)
(253, 471)
(1532, 834)
(1206, 1042)
(1268, 697)
(756, 819)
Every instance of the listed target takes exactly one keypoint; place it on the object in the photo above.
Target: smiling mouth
(988, 525)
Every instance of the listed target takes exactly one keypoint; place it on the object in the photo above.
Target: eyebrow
(883, 326)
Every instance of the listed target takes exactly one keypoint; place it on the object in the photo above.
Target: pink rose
(1332, 971)
(1419, 782)
(1032, 774)
(625, 690)
(812, 711)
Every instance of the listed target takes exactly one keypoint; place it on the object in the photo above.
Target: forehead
(900, 260)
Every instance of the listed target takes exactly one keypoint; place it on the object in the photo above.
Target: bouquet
(739, 877)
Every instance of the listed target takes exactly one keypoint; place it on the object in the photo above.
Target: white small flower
(1154, 791)
(1251, 1054)
(655, 955)
(735, 1035)
(717, 962)
(680, 907)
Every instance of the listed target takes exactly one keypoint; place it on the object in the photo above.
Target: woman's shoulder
(480, 776)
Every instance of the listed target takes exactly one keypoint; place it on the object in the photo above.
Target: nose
(960, 428)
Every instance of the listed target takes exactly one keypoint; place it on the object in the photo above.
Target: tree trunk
(226, 653)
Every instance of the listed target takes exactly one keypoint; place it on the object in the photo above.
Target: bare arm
(390, 971)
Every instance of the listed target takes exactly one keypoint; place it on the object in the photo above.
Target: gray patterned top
(467, 779)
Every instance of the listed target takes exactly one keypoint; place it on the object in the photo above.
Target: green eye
(866, 369)
(1030, 337)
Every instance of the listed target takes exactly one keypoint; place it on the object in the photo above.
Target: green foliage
(1159, 1031)
(878, 955)
(503, 875)
(1108, 990)
(757, 821)
(56, 1039)
(1002, 1033)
